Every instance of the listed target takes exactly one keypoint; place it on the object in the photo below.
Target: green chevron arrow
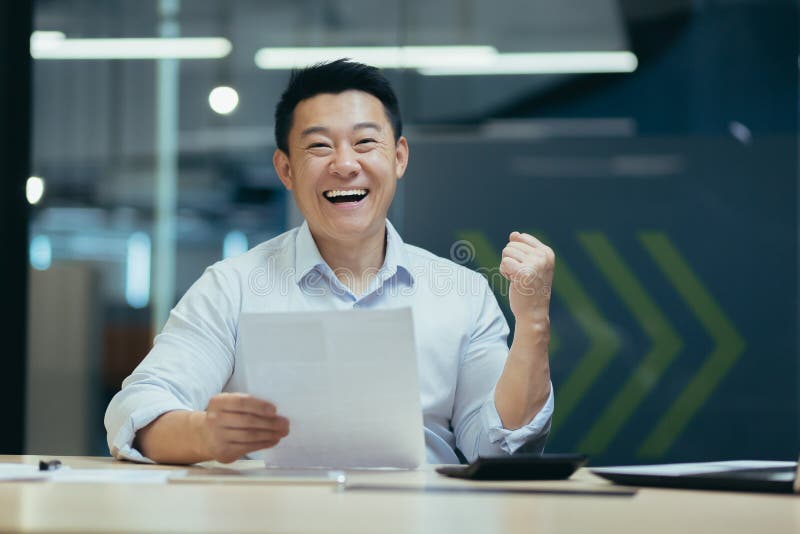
(665, 342)
(729, 345)
(603, 342)
(486, 257)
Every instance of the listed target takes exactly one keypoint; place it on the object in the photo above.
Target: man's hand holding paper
(235, 424)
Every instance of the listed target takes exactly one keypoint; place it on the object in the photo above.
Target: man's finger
(526, 238)
(241, 403)
(515, 253)
(250, 436)
(518, 271)
(248, 421)
(522, 247)
(509, 266)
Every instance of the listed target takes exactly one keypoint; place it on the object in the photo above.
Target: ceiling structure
(95, 120)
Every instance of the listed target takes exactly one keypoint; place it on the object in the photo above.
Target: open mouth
(339, 196)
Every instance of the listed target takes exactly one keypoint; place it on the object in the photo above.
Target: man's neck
(355, 262)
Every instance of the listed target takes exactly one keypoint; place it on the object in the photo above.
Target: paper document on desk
(737, 475)
(28, 472)
(694, 468)
(9, 471)
(346, 380)
(114, 476)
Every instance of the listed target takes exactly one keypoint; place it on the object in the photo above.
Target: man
(340, 152)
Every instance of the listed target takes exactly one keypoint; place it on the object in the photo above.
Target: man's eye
(367, 140)
(318, 145)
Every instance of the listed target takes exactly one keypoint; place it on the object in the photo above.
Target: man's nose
(345, 163)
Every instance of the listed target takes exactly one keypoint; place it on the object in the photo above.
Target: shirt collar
(307, 256)
(396, 256)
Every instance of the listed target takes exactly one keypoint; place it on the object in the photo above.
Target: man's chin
(352, 230)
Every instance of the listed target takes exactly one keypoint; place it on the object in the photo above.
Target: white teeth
(340, 193)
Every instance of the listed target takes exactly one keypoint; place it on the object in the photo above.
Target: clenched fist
(528, 265)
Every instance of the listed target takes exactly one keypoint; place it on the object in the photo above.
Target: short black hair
(334, 77)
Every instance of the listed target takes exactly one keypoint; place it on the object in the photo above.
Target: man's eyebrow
(313, 130)
(363, 125)
(323, 130)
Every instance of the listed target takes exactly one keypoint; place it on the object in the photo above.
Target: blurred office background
(659, 159)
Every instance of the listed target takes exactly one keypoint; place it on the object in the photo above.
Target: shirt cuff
(511, 440)
(121, 444)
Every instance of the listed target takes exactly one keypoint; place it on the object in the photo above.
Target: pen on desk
(49, 465)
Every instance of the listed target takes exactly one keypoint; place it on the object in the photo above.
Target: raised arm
(524, 387)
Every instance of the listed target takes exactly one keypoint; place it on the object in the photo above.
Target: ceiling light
(452, 60)
(54, 45)
(544, 63)
(34, 189)
(223, 99)
(387, 57)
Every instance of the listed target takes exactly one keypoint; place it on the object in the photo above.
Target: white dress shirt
(460, 335)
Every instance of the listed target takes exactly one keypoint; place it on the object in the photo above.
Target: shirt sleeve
(476, 423)
(191, 360)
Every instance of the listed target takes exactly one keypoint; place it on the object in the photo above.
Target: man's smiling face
(343, 164)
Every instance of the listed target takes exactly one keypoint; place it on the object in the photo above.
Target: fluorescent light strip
(53, 45)
(387, 57)
(452, 60)
(48, 35)
(544, 63)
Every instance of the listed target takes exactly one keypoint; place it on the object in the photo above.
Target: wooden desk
(251, 507)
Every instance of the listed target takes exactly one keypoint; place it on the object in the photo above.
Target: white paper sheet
(347, 381)
(263, 475)
(113, 476)
(28, 472)
(21, 472)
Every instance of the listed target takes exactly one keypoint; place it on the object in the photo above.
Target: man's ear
(401, 157)
(281, 163)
